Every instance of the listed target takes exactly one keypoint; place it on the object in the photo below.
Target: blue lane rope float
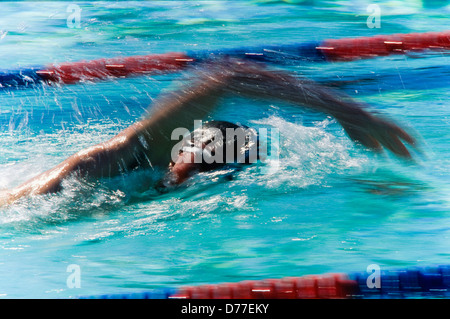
(19, 78)
(346, 49)
(414, 282)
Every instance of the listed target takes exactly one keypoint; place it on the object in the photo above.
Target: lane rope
(414, 282)
(334, 50)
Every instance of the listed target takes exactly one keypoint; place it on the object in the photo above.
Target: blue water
(331, 206)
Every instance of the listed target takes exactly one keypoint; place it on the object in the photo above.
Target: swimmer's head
(214, 145)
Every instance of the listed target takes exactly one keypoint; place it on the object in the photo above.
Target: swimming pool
(331, 207)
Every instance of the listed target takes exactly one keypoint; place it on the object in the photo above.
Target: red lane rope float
(329, 286)
(68, 73)
(383, 45)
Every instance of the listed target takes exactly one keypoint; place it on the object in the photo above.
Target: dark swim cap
(223, 143)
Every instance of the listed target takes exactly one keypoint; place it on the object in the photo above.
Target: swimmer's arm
(373, 131)
(368, 128)
(146, 143)
(102, 160)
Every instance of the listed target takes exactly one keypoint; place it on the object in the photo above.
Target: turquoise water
(331, 207)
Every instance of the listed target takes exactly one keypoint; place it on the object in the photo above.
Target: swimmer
(147, 143)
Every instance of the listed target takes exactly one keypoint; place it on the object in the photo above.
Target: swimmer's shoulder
(6, 197)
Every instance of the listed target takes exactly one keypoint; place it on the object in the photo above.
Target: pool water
(331, 206)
